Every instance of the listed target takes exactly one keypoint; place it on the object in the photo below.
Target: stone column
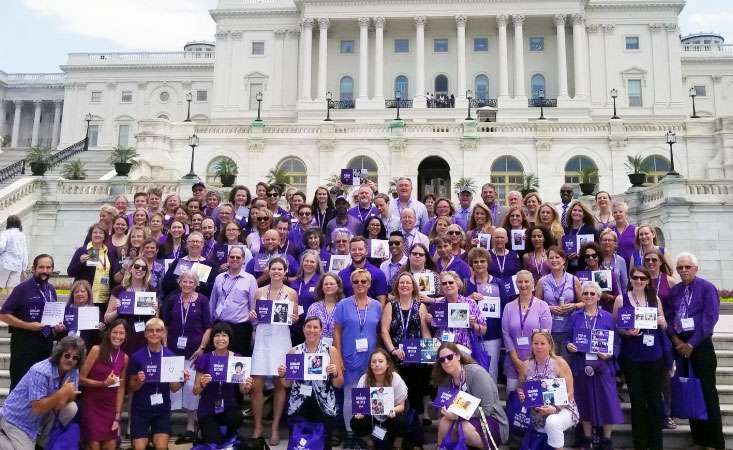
(16, 124)
(322, 58)
(56, 123)
(676, 89)
(461, 54)
(36, 122)
(363, 58)
(579, 61)
(519, 81)
(562, 60)
(3, 122)
(307, 36)
(419, 99)
(501, 21)
(379, 59)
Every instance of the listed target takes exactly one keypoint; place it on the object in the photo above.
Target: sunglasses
(273, 194)
(453, 233)
(395, 243)
(684, 267)
(68, 356)
(263, 219)
(590, 294)
(304, 214)
(443, 359)
(654, 260)
(360, 282)
(139, 267)
(639, 278)
(417, 254)
(447, 283)
(591, 255)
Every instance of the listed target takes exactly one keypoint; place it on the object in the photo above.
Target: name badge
(523, 341)
(379, 432)
(156, 399)
(181, 343)
(139, 327)
(312, 289)
(688, 324)
(448, 336)
(301, 311)
(306, 390)
(104, 281)
(559, 318)
(648, 340)
(327, 340)
(219, 406)
(591, 356)
(362, 345)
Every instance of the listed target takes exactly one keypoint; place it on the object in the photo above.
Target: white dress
(272, 343)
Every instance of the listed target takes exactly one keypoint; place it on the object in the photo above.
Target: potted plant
(226, 169)
(277, 177)
(637, 170)
(530, 183)
(37, 157)
(74, 170)
(588, 180)
(123, 158)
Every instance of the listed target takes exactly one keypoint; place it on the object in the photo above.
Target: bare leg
(473, 439)
(257, 399)
(607, 430)
(443, 427)
(160, 440)
(109, 445)
(140, 443)
(277, 411)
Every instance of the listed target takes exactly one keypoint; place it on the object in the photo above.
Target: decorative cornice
(236, 35)
(280, 33)
(671, 27)
(518, 19)
(420, 21)
(578, 19)
(608, 28)
(656, 27)
(501, 20)
(559, 20)
(221, 35)
(323, 23)
(461, 20)
(307, 22)
(364, 21)
(379, 22)
(594, 28)
(293, 33)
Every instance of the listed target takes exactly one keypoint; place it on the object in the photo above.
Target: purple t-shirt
(457, 265)
(214, 390)
(379, 281)
(27, 300)
(191, 324)
(514, 331)
(141, 403)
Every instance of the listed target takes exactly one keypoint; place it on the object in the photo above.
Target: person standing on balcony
(404, 200)
(13, 253)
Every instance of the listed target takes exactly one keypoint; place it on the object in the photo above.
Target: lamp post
(259, 106)
(614, 95)
(189, 98)
(329, 105)
(398, 98)
(469, 97)
(88, 118)
(693, 94)
(193, 142)
(541, 94)
(671, 140)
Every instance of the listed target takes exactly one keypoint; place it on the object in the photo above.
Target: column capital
(559, 19)
(608, 27)
(307, 22)
(420, 21)
(670, 27)
(594, 28)
(364, 21)
(280, 32)
(656, 27)
(502, 20)
(518, 19)
(57, 102)
(578, 19)
(37, 102)
(461, 20)
(323, 23)
(293, 33)
(379, 22)
(18, 103)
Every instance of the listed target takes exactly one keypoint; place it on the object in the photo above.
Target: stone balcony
(141, 58)
(707, 51)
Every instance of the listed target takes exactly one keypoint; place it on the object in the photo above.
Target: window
(365, 162)
(480, 44)
(536, 44)
(126, 97)
(575, 165)
(632, 42)
(211, 177)
(254, 88)
(656, 167)
(402, 46)
(93, 135)
(538, 86)
(164, 116)
(164, 96)
(700, 91)
(346, 88)
(441, 84)
(401, 85)
(258, 48)
(295, 173)
(123, 136)
(481, 87)
(635, 93)
(506, 174)
(440, 45)
(96, 97)
(202, 95)
(347, 46)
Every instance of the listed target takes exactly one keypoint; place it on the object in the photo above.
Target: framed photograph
(458, 315)
(238, 369)
(282, 312)
(583, 239)
(338, 263)
(517, 239)
(484, 240)
(378, 248)
(490, 307)
(604, 278)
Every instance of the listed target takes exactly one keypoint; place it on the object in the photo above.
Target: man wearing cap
(199, 192)
(488, 195)
(342, 219)
(465, 198)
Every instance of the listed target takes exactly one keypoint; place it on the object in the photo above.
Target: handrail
(12, 171)
(18, 167)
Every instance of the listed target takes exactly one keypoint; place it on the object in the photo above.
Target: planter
(587, 188)
(228, 180)
(38, 169)
(524, 192)
(637, 179)
(123, 169)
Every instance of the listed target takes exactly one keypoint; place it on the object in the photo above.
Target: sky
(37, 35)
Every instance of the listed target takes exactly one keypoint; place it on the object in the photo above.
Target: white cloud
(721, 22)
(133, 24)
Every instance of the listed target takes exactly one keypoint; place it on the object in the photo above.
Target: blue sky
(38, 34)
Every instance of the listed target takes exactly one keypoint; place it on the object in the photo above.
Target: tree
(279, 178)
(530, 183)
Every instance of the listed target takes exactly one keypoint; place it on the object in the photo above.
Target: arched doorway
(433, 177)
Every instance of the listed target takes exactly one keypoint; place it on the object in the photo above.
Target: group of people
(501, 294)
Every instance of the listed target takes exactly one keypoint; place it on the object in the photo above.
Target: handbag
(307, 436)
(449, 444)
(520, 419)
(64, 437)
(534, 440)
(478, 353)
(687, 401)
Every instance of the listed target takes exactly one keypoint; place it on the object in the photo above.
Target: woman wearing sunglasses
(594, 373)
(451, 285)
(590, 260)
(455, 370)
(261, 220)
(419, 261)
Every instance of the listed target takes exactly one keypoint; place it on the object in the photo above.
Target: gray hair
(592, 285)
(189, 274)
(341, 231)
(66, 344)
(408, 211)
(690, 256)
(621, 205)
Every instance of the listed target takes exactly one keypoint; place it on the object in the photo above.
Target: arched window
(656, 167)
(365, 162)
(211, 177)
(538, 84)
(346, 88)
(506, 175)
(481, 87)
(401, 85)
(575, 165)
(441, 84)
(164, 116)
(294, 172)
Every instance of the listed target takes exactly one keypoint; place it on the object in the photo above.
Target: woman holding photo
(81, 295)
(451, 286)
(479, 223)
(456, 370)
(538, 240)
(610, 260)
(580, 221)
(420, 262)
(96, 263)
(515, 219)
(217, 405)
(272, 342)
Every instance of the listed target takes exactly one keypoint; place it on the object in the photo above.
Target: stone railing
(682, 190)
(140, 58)
(95, 190)
(707, 50)
(33, 78)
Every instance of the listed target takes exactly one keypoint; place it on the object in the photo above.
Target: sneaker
(606, 444)
(584, 443)
(670, 424)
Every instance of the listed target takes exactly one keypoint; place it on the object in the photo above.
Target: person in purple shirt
(257, 266)
(364, 208)
(625, 231)
(378, 288)
(304, 284)
(694, 308)
(208, 229)
(194, 245)
(282, 225)
(505, 263)
(30, 340)
(273, 197)
(342, 219)
(580, 222)
(151, 401)
(443, 208)
(231, 236)
(448, 261)
(189, 327)
(313, 240)
(298, 229)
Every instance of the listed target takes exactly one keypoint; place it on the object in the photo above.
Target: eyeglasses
(684, 267)
(68, 356)
(395, 243)
(654, 260)
(360, 282)
(591, 255)
(263, 219)
(304, 213)
(273, 194)
(417, 254)
(453, 233)
(447, 283)
(639, 278)
(443, 359)
(590, 294)
(341, 241)
(139, 267)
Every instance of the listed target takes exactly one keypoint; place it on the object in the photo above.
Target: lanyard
(461, 379)
(636, 301)
(361, 217)
(446, 267)
(184, 318)
(45, 294)
(303, 283)
(686, 300)
(362, 319)
(150, 358)
(392, 271)
(405, 325)
(612, 265)
(501, 263)
(523, 318)
(558, 290)
(538, 267)
(588, 325)
(269, 291)
(320, 217)
(114, 361)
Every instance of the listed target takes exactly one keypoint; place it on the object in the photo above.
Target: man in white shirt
(404, 200)
(410, 231)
